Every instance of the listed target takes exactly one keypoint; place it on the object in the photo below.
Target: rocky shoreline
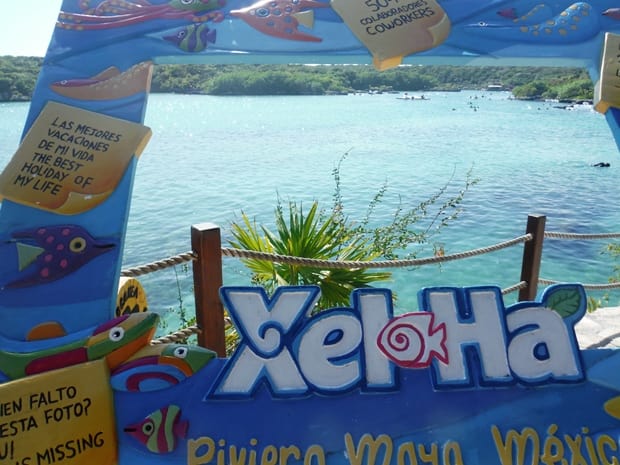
(599, 329)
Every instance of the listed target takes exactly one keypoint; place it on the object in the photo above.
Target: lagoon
(212, 157)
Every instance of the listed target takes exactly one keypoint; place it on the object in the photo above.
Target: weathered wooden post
(532, 255)
(207, 271)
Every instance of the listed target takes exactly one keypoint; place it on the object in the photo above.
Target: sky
(27, 26)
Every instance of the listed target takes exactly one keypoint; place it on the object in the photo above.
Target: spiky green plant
(309, 234)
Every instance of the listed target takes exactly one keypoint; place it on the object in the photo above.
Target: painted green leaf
(566, 302)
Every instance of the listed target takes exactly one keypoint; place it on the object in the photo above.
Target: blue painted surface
(94, 36)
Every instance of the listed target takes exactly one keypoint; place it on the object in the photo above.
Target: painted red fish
(509, 13)
(281, 18)
(613, 13)
(161, 430)
(413, 341)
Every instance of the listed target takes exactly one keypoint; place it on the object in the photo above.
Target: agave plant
(312, 234)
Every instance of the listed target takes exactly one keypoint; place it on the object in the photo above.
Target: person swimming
(602, 164)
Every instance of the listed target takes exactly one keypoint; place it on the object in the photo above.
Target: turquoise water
(212, 157)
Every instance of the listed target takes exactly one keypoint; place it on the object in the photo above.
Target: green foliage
(186, 79)
(594, 304)
(18, 77)
(581, 89)
(400, 234)
(613, 250)
(332, 235)
(275, 81)
(410, 225)
(574, 86)
(534, 89)
(181, 311)
(318, 80)
(311, 234)
(182, 316)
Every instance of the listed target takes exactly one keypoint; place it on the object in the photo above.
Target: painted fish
(413, 341)
(109, 84)
(193, 38)
(575, 24)
(115, 340)
(613, 13)
(281, 18)
(159, 366)
(538, 14)
(104, 75)
(161, 430)
(50, 253)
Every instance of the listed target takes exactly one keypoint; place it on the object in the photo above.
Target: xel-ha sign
(344, 349)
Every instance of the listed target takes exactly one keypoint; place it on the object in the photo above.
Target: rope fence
(402, 263)
(316, 263)
(159, 265)
(580, 237)
(330, 264)
(532, 240)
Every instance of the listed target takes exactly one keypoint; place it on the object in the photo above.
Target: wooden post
(532, 255)
(207, 271)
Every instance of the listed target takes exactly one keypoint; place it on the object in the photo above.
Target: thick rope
(580, 237)
(159, 265)
(330, 264)
(591, 287)
(178, 336)
(345, 264)
(515, 287)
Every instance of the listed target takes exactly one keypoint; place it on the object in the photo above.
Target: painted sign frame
(465, 380)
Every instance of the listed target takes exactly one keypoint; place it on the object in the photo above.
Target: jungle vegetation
(18, 77)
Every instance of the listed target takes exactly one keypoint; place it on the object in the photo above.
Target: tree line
(18, 76)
